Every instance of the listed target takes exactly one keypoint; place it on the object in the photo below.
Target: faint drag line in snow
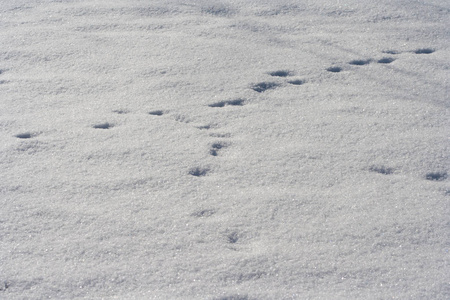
(234, 297)
(413, 75)
(334, 45)
(218, 9)
(204, 213)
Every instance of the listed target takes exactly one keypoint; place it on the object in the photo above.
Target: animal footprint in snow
(214, 151)
(220, 135)
(417, 51)
(264, 86)
(261, 87)
(182, 119)
(235, 102)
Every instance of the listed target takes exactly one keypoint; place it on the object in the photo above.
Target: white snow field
(224, 150)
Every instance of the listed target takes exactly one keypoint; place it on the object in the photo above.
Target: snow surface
(224, 149)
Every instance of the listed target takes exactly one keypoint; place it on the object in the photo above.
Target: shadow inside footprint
(25, 135)
(296, 82)
(233, 238)
(4, 286)
(424, 51)
(235, 102)
(281, 73)
(215, 148)
(360, 62)
(334, 69)
(382, 170)
(264, 86)
(103, 126)
(204, 127)
(156, 113)
(436, 176)
(385, 60)
(198, 172)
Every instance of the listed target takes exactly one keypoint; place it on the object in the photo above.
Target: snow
(224, 149)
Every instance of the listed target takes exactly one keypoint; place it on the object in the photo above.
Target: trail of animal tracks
(224, 149)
